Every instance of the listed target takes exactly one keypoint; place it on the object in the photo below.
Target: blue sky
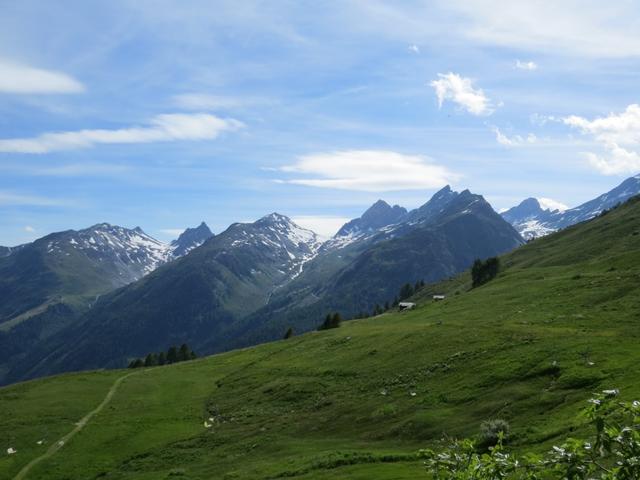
(166, 113)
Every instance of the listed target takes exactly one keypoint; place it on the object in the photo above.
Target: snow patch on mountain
(534, 218)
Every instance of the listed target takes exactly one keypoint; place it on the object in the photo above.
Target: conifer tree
(184, 353)
(406, 291)
(172, 355)
(289, 333)
(162, 358)
(151, 360)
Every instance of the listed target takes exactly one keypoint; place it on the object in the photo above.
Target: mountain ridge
(532, 221)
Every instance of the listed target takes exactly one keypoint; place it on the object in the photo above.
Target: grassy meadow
(561, 321)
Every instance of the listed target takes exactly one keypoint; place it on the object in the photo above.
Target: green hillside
(561, 321)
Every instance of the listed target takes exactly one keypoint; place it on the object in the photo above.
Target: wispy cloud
(174, 232)
(459, 90)
(526, 65)
(551, 204)
(514, 140)
(162, 128)
(8, 198)
(22, 79)
(574, 27)
(414, 48)
(619, 135)
(324, 225)
(369, 170)
(204, 101)
(29, 229)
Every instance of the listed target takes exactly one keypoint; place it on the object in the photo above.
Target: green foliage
(173, 355)
(331, 321)
(293, 408)
(493, 431)
(151, 360)
(612, 453)
(406, 291)
(484, 271)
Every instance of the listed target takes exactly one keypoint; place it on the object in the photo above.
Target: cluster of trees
(484, 271)
(407, 290)
(173, 355)
(332, 320)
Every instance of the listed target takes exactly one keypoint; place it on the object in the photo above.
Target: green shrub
(611, 454)
(492, 431)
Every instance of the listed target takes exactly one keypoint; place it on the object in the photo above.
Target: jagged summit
(189, 239)
(532, 220)
(378, 215)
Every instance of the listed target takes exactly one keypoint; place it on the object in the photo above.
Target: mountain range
(97, 297)
(533, 221)
(46, 285)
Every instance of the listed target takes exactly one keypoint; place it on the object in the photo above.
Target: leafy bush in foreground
(612, 454)
(492, 431)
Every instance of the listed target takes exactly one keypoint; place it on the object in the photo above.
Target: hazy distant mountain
(190, 239)
(245, 284)
(194, 298)
(379, 215)
(435, 241)
(46, 285)
(532, 220)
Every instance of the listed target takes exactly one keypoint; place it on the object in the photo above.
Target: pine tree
(331, 321)
(483, 272)
(396, 301)
(151, 360)
(289, 333)
(172, 355)
(406, 291)
(386, 305)
(184, 353)
(162, 358)
(137, 363)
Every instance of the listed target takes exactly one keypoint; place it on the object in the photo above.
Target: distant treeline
(482, 272)
(333, 320)
(173, 355)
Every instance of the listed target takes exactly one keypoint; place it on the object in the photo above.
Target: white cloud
(22, 79)
(414, 48)
(323, 225)
(162, 128)
(459, 90)
(369, 170)
(526, 65)
(551, 204)
(80, 170)
(204, 101)
(619, 135)
(515, 140)
(575, 27)
(29, 229)
(175, 232)
(16, 199)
